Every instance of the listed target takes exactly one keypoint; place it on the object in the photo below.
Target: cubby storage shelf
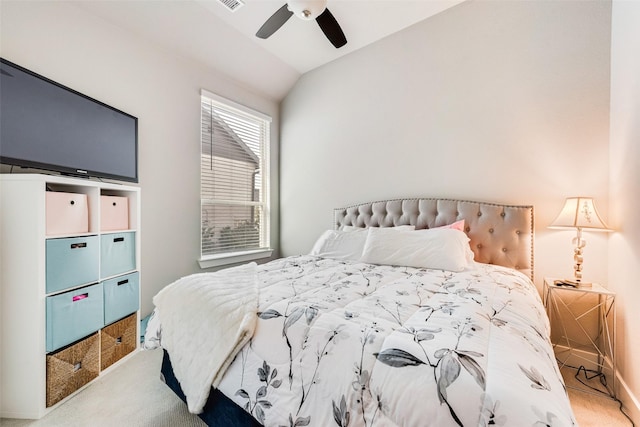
(38, 271)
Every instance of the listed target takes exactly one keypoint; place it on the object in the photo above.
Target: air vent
(232, 5)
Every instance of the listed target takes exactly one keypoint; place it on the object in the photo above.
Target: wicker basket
(118, 340)
(71, 368)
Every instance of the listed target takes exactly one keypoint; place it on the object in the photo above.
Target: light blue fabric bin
(121, 297)
(71, 262)
(117, 253)
(73, 315)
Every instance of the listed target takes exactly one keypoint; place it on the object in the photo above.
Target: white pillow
(399, 227)
(439, 248)
(340, 244)
(352, 228)
(346, 244)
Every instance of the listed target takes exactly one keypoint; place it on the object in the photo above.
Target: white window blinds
(234, 178)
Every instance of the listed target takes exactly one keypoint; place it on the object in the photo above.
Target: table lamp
(579, 213)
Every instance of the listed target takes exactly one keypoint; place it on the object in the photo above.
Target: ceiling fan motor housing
(307, 9)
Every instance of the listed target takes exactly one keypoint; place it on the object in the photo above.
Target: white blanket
(219, 312)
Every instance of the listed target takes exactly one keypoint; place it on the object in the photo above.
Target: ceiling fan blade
(276, 21)
(331, 28)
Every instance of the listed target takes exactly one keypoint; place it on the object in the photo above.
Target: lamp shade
(581, 213)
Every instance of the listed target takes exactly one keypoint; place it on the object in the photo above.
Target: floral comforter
(341, 343)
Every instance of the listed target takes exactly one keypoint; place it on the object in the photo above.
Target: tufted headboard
(500, 234)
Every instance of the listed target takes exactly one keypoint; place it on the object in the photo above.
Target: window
(234, 180)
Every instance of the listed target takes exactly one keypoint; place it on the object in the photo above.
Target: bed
(409, 312)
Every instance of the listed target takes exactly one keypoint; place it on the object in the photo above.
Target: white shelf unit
(23, 281)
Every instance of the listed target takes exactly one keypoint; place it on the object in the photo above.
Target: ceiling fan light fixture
(307, 9)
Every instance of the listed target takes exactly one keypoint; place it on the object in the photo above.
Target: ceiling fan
(307, 10)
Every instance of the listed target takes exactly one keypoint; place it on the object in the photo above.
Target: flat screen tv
(46, 125)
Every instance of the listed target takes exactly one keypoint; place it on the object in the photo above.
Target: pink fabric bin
(114, 213)
(66, 213)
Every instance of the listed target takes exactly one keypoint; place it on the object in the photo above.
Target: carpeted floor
(592, 409)
(132, 395)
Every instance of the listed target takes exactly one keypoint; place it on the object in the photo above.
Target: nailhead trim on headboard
(500, 234)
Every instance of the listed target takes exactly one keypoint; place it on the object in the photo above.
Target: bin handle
(80, 297)
(118, 239)
(78, 245)
(123, 282)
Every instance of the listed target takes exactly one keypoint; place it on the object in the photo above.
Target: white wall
(162, 89)
(624, 247)
(490, 101)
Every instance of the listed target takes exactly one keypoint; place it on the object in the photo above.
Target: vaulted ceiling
(207, 31)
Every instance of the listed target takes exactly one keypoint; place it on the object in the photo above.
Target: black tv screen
(46, 125)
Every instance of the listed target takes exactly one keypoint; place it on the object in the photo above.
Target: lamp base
(572, 283)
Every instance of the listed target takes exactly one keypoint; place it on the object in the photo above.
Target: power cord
(603, 380)
(595, 374)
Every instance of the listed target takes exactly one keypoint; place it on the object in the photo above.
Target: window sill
(233, 258)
